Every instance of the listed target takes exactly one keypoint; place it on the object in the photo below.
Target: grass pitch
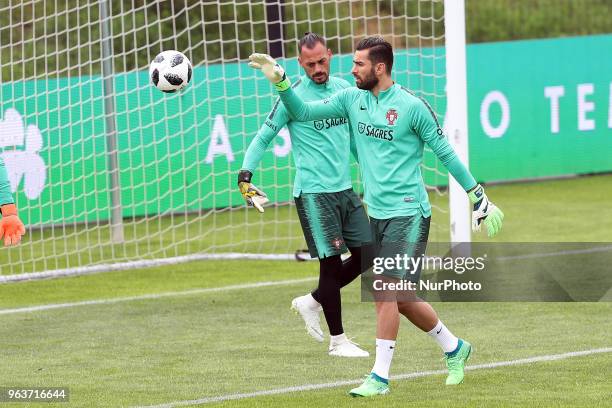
(194, 345)
(155, 351)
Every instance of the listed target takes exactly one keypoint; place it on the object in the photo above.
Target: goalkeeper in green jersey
(11, 227)
(391, 126)
(331, 214)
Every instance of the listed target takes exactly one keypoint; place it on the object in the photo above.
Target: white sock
(311, 302)
(340, 338)
(444, 337)
(384, 355)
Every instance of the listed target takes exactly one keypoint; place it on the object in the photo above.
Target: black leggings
(333, 275)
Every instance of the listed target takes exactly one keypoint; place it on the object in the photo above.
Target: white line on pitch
(312, 387)
(558, 253)
(39, 308)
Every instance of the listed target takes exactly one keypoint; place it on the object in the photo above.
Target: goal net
(106, 169)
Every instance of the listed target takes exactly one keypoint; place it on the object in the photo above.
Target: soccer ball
(170, 71)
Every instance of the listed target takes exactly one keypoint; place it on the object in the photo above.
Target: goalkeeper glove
(271, 69)
(11, 227)
(486, 211)
(251, 194)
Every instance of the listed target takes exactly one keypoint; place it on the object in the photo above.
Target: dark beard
(368, 83)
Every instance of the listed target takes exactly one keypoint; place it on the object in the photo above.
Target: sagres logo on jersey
(327, 123)
(391, 116)
(369, 130)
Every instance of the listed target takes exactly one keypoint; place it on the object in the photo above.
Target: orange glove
(11, 227)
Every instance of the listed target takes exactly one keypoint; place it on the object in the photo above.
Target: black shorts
(331, 222)
(405, 237)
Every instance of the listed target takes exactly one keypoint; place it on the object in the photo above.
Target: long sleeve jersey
(321, 147)
(390, 131)
(5, 188)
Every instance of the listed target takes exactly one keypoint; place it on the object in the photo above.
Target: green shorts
(332, 222)
(402, 238)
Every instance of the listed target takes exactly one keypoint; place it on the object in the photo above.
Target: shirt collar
(387, 92)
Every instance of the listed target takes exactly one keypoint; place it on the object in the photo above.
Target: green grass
(573, 210)
(179, 277)
(570, 210)
(186, 347)
(192, 346)
(528, 385)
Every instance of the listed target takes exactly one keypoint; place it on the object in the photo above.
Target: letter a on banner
(219, 142)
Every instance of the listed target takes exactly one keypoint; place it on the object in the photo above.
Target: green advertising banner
(177, 152)
(536, 108)
(540, 108)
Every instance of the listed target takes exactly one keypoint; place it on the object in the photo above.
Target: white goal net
(106, 169)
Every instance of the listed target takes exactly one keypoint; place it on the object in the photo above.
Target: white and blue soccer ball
(170, 71)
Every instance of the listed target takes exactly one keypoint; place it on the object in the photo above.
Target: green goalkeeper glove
(271, 69)
(251, 194)
(486, 211)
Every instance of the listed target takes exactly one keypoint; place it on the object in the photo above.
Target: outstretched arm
(427, 127)
(275, 121)
(299, 110)
(11, 227)
(332, 107)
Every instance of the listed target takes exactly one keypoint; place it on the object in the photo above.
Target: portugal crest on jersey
(391, 116)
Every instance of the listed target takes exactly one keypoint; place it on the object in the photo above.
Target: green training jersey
(320, 147)
(5, 188)
(390, 131)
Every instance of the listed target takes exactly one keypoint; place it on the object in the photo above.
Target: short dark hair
(309, 40)
(380, 50)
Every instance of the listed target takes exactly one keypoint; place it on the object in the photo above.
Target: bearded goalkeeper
(391, 126)
(331, 214)
(11, 227)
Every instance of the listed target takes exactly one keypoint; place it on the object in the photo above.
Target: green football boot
(373, 385)
(455, 361)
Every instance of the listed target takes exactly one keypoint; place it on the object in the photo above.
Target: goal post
(456, 122)
(107, 170)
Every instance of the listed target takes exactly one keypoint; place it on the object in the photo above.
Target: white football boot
(310, 316)
(341, 346)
